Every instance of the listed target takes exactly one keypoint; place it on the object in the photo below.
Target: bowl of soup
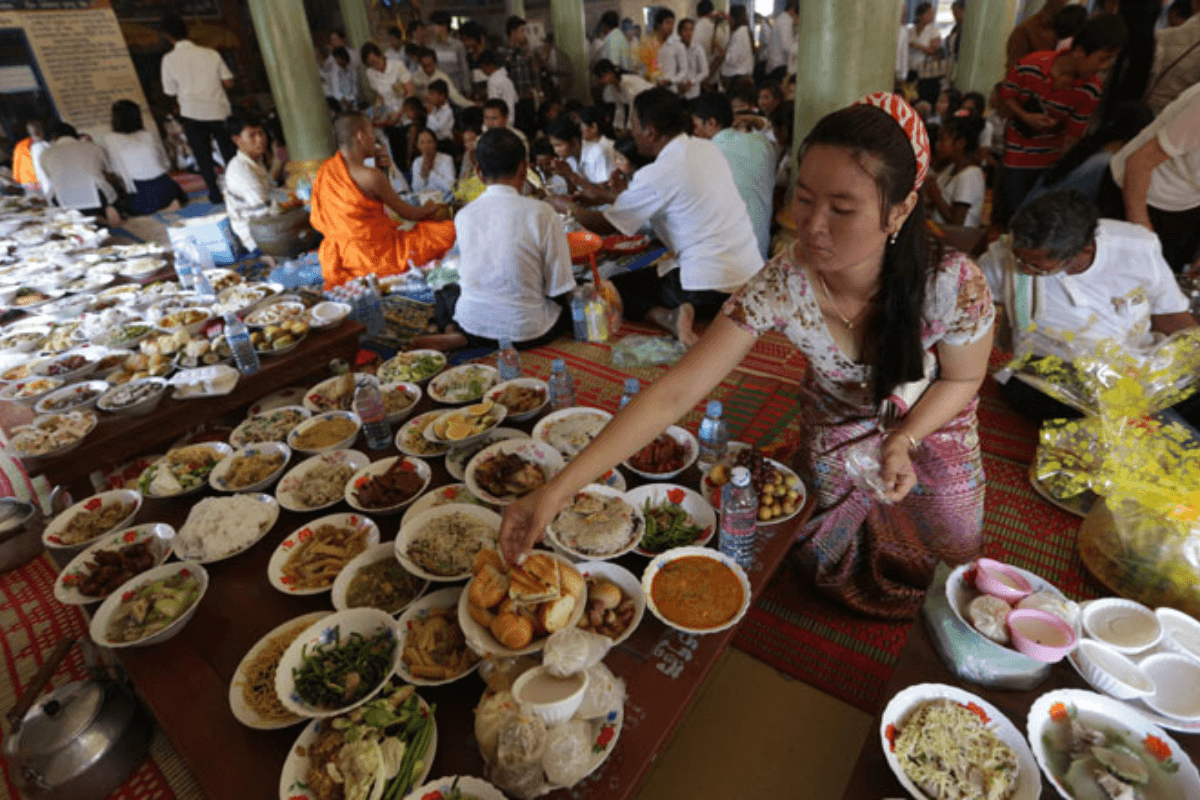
(696, 590)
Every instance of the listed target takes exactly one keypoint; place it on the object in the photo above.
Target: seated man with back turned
(349, 206)
(1064, 276)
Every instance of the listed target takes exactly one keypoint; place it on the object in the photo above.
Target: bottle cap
(740, 476)
(714, 408)
(558, 365)
(506, 344)
(632, 385)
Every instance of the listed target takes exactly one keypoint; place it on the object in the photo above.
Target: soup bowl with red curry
(696, 590)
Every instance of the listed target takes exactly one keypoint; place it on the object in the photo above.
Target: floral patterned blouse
(958, 311)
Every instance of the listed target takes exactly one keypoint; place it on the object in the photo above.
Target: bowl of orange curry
(696, 589)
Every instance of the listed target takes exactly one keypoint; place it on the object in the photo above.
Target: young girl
(956, 195)
(596, 155)
(432, 171)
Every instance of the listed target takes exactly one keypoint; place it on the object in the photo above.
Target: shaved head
(345, 126)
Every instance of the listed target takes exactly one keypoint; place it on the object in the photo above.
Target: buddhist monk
(349, 202)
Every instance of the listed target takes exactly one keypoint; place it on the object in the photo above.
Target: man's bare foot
(677, 320)
(439, 341)
(112, 216)
(174, 205)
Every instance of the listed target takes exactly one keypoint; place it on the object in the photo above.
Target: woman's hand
(524, 523)
(896, 468)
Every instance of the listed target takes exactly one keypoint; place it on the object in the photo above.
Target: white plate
(415, 525)
(692, 502)
(291, 396)
(243, 712)
(684, 438)
(1092, 707)
(52, 534)
(364, 474)
(441, 496)
(104, 614)
(712, 493)
(627, 581)
(318, 401)
(158, 534)
(480, 638)
(493, 418)
(635, 535)
(420, 610)
(90, 359)
(452, 387)
(1029, 783)
(266, 499)
(384, 551)
(662, 559)
(539, 453)
(285, 492)
(336, 627)
(292, 784)
(282, 582)
(239, 437)
(401, 366)
(146, 479)
(469, 786)
(275, 313)
(556, 429)
(217, 479)
(299, 430)
(460, 455)
(412, 389)
(213, 381)
(411, 441)
(524, 383)
(29, 392)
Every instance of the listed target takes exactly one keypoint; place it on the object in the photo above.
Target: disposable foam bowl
(1112, 672)
(1181, 632)
(1124, 625)
(1040, 634)
(552, 712)
(1177, 685)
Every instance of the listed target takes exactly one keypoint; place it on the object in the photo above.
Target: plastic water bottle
(562, 386)
(714, 436)
(508, 361)
(368, 404)
(238, 337)
(739, 518)
(579, 314)
(204, 288)
(187, 263)
(632, 386)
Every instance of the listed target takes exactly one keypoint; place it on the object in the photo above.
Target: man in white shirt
(428, 73)
(499, 85)
(697, 61)
(450, 53)
(344, 80)
(76, 171)
(391, 82)
(395, 49)
(1068, 280)
(705, 30)
(684, 194)
(514, 261)
(672, 54)
(496, 116)
(440, 120)
(781, 46)
(247, 185)
(197, 77)
(621, 88)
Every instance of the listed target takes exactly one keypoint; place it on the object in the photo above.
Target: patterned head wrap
(910, 122)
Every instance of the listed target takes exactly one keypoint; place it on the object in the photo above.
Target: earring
(892, 239)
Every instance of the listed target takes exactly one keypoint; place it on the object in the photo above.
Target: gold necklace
(833, 304)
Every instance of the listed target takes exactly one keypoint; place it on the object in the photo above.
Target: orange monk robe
(360, 238)
(22, 162)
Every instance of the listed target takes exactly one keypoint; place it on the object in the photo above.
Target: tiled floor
(755, 732)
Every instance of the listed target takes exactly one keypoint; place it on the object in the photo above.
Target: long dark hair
(126, 117)
(894, 332)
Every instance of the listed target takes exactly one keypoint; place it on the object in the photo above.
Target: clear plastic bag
(640, 350)
(568, 752)
(605, 692)
(864, 468)
(574, 650)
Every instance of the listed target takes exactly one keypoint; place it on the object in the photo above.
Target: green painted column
(884, 26)
(286, 44)
(357, 22)
(567, 22)
(981, 55)
(721, 6)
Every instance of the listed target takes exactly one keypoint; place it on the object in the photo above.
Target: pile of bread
(524, 603)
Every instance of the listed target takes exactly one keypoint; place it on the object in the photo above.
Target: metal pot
(21, 526)
(285, 234)
(80, 741)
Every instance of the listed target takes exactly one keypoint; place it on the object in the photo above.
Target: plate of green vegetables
(675, 517)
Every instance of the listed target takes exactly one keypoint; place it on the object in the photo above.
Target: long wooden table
(118, 439)
(185, 680)
(872, 779)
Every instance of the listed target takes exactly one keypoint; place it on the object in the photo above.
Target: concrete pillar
(981, 55)
(721, 6)
(516, 8)
(357, 21)
(1029, 8)
(884, 26)
(286, 44)
(566, 20)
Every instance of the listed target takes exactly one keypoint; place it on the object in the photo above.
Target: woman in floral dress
(897, 340)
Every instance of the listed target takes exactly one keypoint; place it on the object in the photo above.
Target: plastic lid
(558, 365)
(714, 408)
(740, 476)
(632, 385)
(506, 344)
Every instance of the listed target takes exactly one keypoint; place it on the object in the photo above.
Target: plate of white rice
(218, 528)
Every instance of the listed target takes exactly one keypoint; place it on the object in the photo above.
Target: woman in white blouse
(739, 56)
(140, 161)
(432, 171)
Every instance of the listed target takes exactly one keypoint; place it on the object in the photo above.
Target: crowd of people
(1083, 167)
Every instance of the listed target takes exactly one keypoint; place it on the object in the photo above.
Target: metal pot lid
(59, 717)
(14, 514)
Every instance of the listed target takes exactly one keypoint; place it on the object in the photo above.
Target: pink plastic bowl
(1001, 580)
(1039, 634)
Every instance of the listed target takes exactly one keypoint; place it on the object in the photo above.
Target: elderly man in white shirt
(685, 196)
(197, 77)
(1068, 280)
(391, 82)
(513, 259)
(76, 172)
(781, 46)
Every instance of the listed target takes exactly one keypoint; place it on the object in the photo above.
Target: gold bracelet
(913, 444)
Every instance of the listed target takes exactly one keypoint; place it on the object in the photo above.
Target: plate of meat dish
(511, 469)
